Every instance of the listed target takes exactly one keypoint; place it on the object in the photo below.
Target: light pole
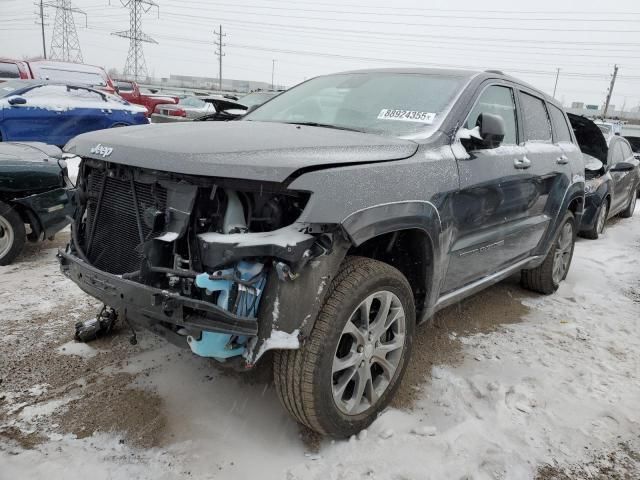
(273, 69)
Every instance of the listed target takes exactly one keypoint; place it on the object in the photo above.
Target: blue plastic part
(220, 345)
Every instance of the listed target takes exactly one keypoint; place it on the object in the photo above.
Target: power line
(422, 25)
(561, 43)
(136, 67)
(395, 8)
(456, 15)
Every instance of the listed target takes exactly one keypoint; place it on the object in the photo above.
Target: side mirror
(492, 129)
(17, 101)
(251, 108)
(622, 167)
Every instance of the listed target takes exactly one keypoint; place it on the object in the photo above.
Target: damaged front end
(220, 265)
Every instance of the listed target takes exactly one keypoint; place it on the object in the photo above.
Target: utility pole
(610, 92)
(64, 41)
(218, 43)
(136, 66)
(273, 69)
(44, 43)
(556, 85)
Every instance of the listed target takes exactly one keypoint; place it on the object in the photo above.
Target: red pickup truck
(130, 91)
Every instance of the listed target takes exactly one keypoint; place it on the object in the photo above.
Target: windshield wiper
(324, 125)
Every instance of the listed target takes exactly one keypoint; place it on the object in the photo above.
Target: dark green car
(34, 190)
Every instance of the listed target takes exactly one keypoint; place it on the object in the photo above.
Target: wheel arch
(409, 250)
(404, 235)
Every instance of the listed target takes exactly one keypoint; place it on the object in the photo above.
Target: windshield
(256, 98)
(396, 104)
(77, 77)
(7, 88)
(124, 86)
(192, 102)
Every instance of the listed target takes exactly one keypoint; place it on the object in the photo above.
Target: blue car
(41, 111)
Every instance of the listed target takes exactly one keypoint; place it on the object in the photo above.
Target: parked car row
(192, 106)
(612, 175)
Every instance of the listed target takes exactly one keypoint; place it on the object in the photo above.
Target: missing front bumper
(151, 306)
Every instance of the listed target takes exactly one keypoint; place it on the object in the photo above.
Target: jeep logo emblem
(101, 150)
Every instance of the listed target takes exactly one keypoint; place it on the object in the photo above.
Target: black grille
(114, 244)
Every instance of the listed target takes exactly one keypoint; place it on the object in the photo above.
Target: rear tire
(12, 234)
(598, 229)
(336, 383)
(628, 212)
(546, 277)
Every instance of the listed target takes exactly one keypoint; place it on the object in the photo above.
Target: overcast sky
(306, 38)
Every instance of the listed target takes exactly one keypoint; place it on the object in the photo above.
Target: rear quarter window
(560, 124)
(9, 70)
(537, 127)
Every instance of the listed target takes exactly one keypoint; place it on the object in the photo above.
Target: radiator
(115, 223)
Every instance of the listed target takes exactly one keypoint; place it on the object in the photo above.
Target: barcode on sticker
(406, 115)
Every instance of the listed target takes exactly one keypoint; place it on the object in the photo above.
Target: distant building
(210, 83)
(577, 105)
(592, 107)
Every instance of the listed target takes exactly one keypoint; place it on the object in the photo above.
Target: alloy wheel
(562, 254)
(369, 352)
(6, 236)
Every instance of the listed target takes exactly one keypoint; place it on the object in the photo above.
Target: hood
(590, 138)
(250, 150)
(13, 153)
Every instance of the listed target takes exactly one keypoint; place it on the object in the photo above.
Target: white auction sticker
(406, 115)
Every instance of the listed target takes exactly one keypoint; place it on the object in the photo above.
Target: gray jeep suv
(327, 223)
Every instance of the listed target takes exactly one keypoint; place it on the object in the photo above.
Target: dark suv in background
(327, 223)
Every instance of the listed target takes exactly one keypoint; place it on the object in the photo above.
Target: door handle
(522, 163)
(562, 160)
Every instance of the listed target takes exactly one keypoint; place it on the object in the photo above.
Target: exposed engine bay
(198, 240)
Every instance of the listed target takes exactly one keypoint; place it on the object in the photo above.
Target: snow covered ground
(506, 385)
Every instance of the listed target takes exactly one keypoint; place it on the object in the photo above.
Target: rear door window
(9, 70)
(537, 127)
(559, 124)
(497, 100)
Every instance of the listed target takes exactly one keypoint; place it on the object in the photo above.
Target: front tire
(601, 221)
(628, 212)
(355, 357)
(546, 277)
(12, 234)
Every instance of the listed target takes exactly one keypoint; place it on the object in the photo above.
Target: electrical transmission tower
(136, 66)
(64, 41)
